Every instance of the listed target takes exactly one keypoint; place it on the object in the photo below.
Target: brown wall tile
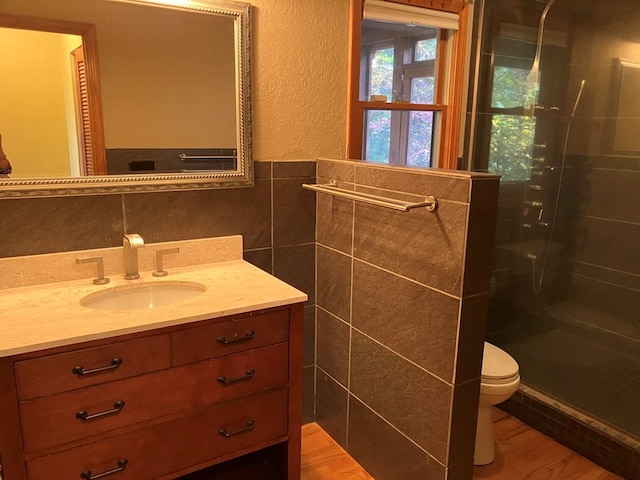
(294, 169)
(335, 222)
(595, 237)
(473, 317)
(331, 407)
(309, 332)
(485, 189)
(383, 451)
(406, 396)
(424, 246)
(294, 212)
(31, 226)
(262, 169)
(460, 471)
(296, 266)
(596, 200)
(261, 258)
(418, 323)
(608, 300)
(407, 302)
(308, 394)
(333, 282)
(444, 185)
(333, 346)
(480, 244)
(615, 277)
(341, 171)
(463, 423)
(160, 217)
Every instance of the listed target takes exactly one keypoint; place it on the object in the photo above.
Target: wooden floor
(521, 453)
(524, 453)
(324, 459)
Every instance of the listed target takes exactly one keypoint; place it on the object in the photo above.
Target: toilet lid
(497, 364)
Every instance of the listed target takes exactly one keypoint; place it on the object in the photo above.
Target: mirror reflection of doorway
(48, 99)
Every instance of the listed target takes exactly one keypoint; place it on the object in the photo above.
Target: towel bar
(430, 203)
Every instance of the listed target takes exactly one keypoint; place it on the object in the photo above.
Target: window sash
(398, 13)
(449, 94)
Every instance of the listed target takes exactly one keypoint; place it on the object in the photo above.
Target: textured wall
(402, 301)
(300, 78)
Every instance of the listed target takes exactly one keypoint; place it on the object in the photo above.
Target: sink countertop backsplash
(41, 309)
(60, 267)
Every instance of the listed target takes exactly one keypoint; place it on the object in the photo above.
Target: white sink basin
(142, 295)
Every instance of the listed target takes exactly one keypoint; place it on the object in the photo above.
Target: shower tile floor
(585, 366)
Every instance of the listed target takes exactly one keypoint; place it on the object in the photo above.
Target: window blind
(398, 13)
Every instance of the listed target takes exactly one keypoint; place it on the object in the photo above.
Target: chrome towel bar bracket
(430, 203)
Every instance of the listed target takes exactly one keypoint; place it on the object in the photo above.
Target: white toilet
(500, 380)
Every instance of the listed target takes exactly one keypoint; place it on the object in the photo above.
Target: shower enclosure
(557, 113)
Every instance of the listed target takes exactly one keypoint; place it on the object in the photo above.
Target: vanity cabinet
(157, 404)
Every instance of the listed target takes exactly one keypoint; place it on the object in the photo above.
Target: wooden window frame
(451, 60)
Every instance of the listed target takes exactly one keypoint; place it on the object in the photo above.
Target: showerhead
(532, 77)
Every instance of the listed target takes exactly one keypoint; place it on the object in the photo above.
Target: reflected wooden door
(90, 164)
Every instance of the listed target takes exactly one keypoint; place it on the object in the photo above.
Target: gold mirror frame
(111, 184)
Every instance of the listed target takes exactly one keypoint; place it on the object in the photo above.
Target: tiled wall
(603, 263)
(401, 302)
(276, 219)
(603, 182)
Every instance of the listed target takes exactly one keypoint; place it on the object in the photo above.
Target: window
(406, 88)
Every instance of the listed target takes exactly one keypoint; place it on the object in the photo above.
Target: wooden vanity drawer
(51, 421)
(159, 450)
(235, 335)
(91, 366)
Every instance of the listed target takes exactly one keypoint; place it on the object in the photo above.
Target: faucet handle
(160, 272)
(99, 261)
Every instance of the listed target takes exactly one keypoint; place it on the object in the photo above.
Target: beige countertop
(49, 315)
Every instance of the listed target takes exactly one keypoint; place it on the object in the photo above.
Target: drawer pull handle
(88, 475)
(80, 371)
(248, 375)
(247, 336)
(248, 426)
(84, 415)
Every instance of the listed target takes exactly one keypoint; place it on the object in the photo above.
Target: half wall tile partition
(401, 311)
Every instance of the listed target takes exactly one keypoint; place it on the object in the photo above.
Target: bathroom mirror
(120, 96)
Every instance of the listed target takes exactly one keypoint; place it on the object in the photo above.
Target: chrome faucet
(131, 243)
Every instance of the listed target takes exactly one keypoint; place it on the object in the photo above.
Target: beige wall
(33, 111)
(162, 70)
(300, 78)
